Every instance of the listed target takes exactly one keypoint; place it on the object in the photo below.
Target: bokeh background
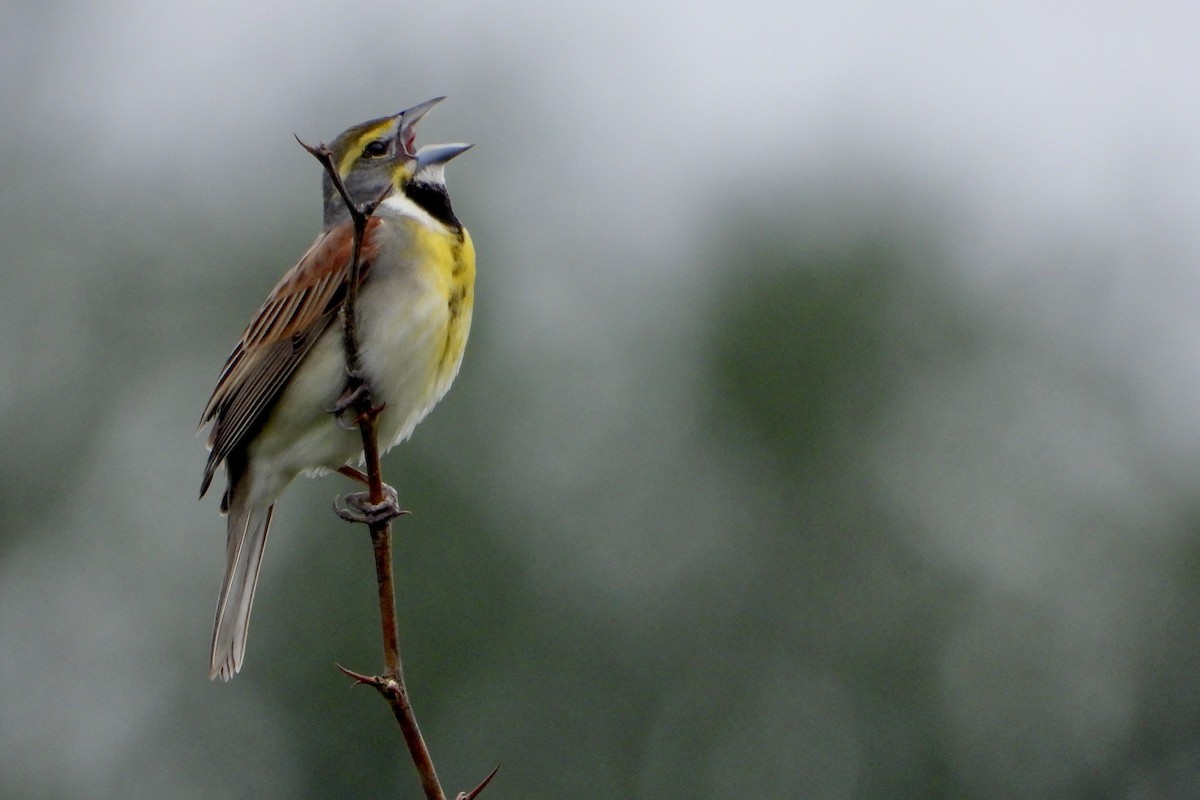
(829, 427)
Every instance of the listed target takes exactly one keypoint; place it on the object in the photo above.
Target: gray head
(366, 157)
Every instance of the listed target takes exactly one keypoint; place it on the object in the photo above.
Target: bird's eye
(375, 149)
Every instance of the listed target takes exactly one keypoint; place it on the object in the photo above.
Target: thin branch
(358, 396)
(393, 690)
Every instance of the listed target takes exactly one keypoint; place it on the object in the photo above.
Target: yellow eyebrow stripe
(352, 153)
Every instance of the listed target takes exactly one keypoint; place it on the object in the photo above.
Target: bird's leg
(358, 506)
(354, 474)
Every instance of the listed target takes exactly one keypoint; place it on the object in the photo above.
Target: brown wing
(298, 310)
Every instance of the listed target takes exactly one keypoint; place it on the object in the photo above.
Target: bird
(271, 410)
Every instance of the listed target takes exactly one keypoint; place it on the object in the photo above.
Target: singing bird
(270, 410)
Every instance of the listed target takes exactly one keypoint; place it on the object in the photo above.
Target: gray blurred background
(829, 427)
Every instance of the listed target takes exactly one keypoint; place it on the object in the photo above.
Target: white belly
(402, 332)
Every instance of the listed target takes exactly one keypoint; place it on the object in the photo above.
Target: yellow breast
(456, 283)
(416, 316)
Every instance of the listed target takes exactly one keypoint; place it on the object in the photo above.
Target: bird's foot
(355, 390)
(359, 507)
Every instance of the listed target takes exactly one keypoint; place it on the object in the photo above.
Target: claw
(348, 398)
(353, 424)
(359, 507)
(362, 500)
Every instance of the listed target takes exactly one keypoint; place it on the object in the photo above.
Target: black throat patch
(435, 200)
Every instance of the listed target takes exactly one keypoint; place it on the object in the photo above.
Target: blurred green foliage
(826, 520)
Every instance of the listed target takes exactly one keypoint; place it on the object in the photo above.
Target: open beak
(434, 154)
(409, 118)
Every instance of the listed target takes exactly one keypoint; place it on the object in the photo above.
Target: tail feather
(247, 536)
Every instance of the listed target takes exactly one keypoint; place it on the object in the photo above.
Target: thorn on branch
(471, 795)
(369, 208)
(358, 678)
(321, 152)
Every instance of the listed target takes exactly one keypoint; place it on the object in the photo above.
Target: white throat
(398, 205)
